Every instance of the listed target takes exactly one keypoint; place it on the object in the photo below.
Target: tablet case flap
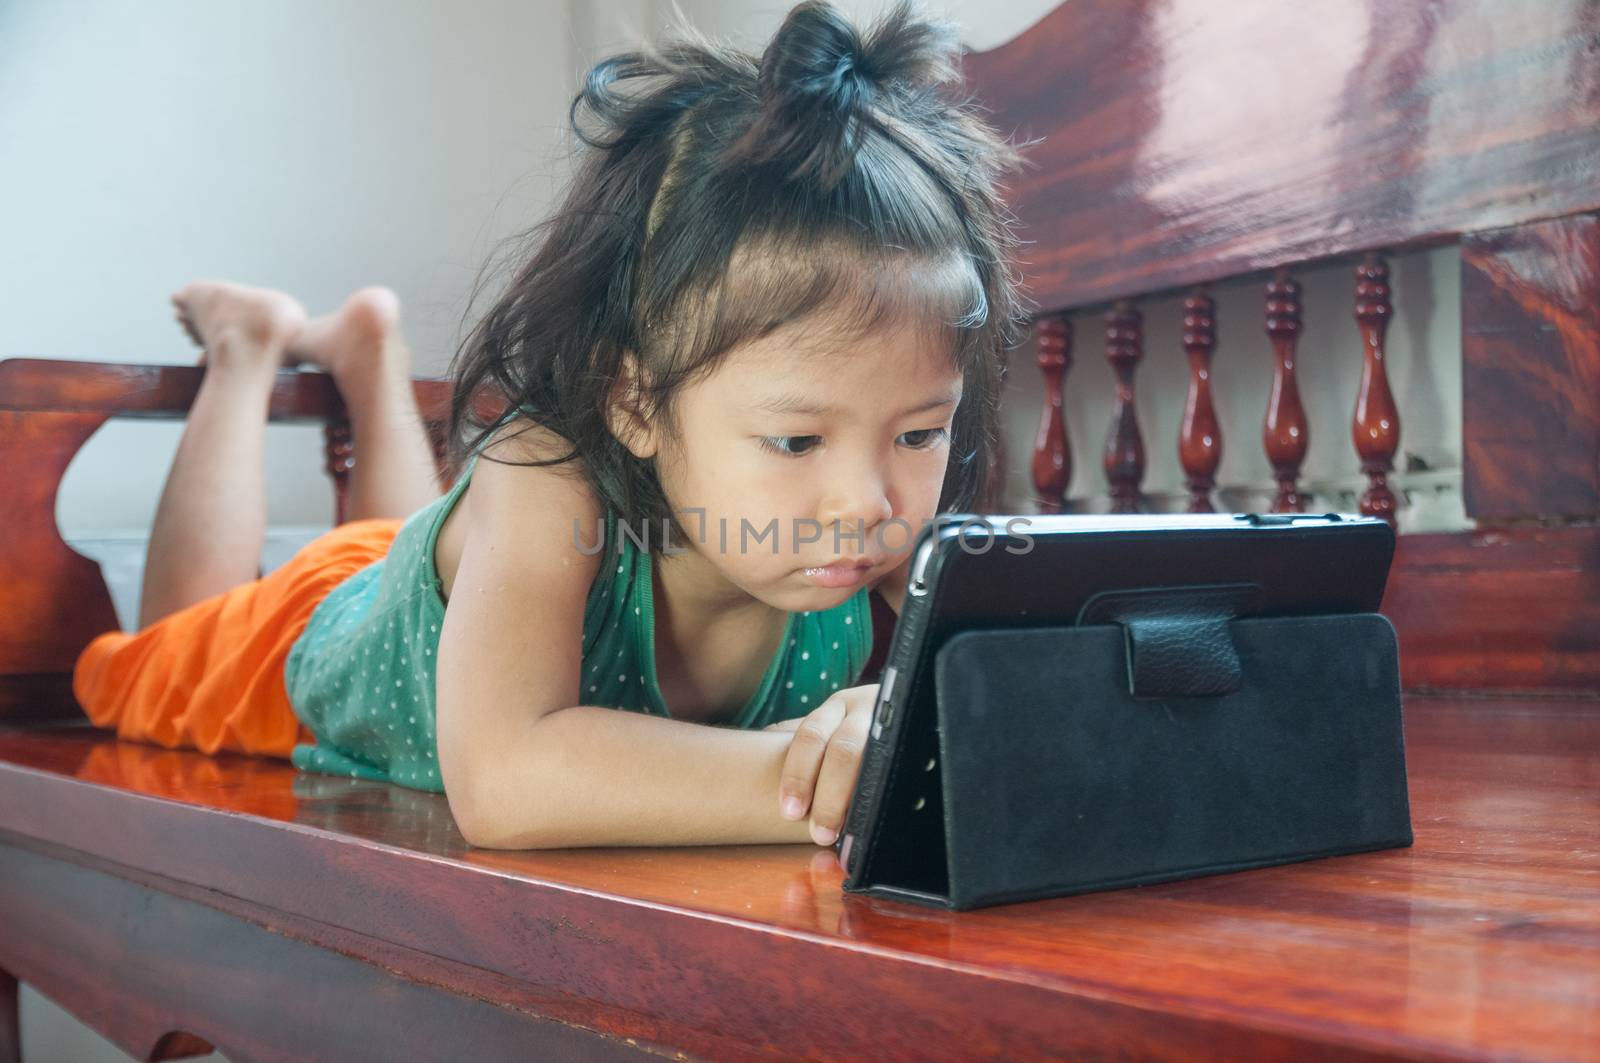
(1057, 780)
(1176, 639)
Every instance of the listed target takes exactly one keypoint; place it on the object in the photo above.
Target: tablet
(1038, 570)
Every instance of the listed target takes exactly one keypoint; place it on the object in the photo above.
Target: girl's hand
(819, 773)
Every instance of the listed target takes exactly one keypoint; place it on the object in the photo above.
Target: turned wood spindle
(1376, 424)
(338, 449)
(1124, 453)
(1285, 433)
(1200, 437)
(1052, 451)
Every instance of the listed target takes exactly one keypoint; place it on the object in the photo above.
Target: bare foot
(357, 340)
(238, 323)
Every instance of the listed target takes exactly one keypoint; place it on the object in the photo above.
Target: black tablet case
(1170, 740)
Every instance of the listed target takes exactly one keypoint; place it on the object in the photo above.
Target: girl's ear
(625, 411)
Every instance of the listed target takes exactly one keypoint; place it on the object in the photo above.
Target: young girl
(756, 348)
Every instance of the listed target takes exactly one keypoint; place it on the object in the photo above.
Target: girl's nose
(858, 500)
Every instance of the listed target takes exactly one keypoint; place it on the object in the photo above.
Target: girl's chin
(807, 597)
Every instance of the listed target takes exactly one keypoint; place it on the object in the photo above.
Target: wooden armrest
(56, 599)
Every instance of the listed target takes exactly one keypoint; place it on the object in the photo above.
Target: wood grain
(1498, 609)
(1481, 941)
(1530, 370)
(1186, 141)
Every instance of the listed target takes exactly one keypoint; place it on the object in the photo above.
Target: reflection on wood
(1530, 375)
(1425, 951)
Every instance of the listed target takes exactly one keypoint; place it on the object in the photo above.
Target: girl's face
(792, 460)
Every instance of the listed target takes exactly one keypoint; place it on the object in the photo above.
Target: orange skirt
(210, 676)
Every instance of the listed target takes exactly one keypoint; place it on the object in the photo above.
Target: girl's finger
(836, 782)
(806, 750)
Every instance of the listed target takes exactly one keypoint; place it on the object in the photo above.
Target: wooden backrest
(1180, 143)
(1187, 141)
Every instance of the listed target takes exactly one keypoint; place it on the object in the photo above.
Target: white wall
(298, 144)
(752, 22)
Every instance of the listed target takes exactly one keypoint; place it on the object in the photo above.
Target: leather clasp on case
(1176, 639)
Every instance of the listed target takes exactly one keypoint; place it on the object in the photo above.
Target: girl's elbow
(508, 798)
(477, 801)
(477, 829)
(490, 817)
(487, 831)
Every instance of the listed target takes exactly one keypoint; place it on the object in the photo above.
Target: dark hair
(727, 197)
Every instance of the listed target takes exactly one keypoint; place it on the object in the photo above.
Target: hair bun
(817, 61)
(819, 79)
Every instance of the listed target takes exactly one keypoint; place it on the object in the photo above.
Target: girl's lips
(838, 574)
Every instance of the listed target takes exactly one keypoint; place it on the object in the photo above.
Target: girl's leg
(211, 518)
(360, 346)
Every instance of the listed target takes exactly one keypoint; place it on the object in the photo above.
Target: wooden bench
(178, 902)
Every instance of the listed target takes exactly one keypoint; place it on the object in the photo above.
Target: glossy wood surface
(1199, 434)
(1051, 468)
(1123, 454)
(1530, 370)
(1186, 141)
(1498, 609)
(163, 975)
(1375, 425)
(1285, 432)
(1482, 941)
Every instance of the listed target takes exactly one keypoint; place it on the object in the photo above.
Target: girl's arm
(524, 763)
(590, 775)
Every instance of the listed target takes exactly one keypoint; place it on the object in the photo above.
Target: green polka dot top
(361, 674)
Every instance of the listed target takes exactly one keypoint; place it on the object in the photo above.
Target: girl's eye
(785, 445)
(800, 446)
(932, 437)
